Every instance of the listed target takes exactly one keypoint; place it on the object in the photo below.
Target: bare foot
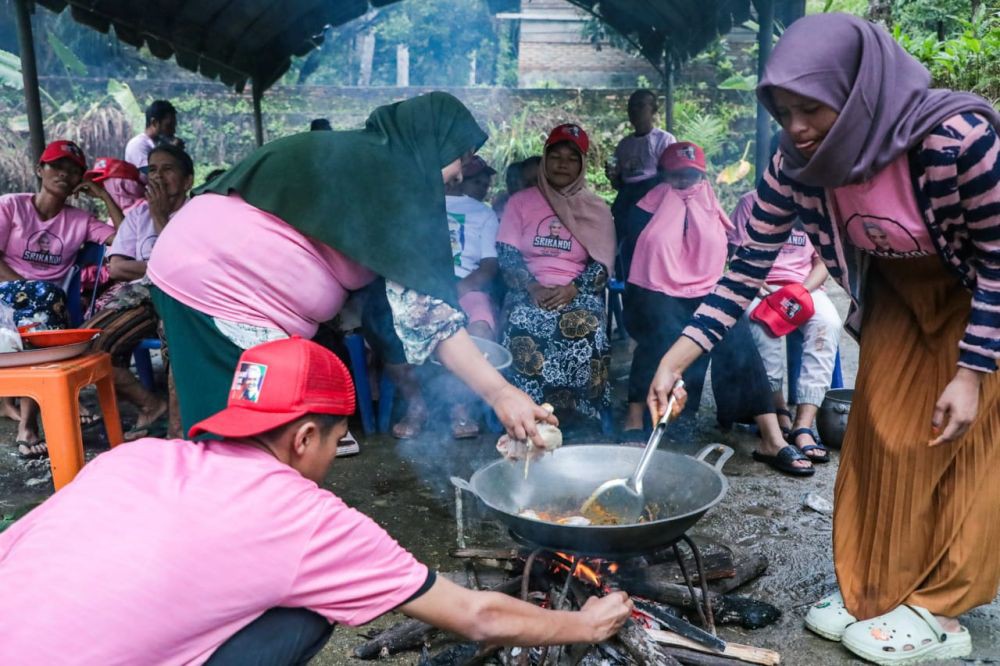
(9, 410)
(771, 448)
(150, 414)
(949, 624)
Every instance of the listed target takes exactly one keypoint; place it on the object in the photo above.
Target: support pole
(668, 112)
(29, 74)
(765, 11)
(258, 122)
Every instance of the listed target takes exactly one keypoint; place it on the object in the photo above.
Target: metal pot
(831, 420)
(680, 488)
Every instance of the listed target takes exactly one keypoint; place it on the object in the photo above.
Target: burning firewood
(747, 653)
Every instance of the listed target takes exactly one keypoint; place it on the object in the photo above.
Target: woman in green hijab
(272, 248)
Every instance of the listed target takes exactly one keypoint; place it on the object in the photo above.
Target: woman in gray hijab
(898, 186)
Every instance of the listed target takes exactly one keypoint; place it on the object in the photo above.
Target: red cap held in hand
(572, 133)
(682, 155)
(785, 310)
(278, 382)
(58, 150)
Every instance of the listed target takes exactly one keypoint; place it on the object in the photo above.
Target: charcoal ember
(454, 655)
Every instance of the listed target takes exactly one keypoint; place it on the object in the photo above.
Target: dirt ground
(404, 487)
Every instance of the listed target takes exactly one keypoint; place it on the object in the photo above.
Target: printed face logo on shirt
(552, 238)
(146, 248)
(247, 382)
(883, 237)
(44, 248)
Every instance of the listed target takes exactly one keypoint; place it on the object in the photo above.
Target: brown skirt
(915, 524)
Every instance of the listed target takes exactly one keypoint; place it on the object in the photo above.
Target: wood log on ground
(748, 653)
(728, 609)
(640, 646)
(717, 566)
(412, 633)
(463, 654)
(487, 553)
(748, 567)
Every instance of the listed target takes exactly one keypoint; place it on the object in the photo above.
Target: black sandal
(818, 446)
(785, 432)
(784, 461)
(33, 452)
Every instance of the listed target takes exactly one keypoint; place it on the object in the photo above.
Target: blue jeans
(279, 637)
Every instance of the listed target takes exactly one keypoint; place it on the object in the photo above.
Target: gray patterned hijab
(882, 94)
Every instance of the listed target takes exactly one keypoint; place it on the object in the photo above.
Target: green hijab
(374, 194)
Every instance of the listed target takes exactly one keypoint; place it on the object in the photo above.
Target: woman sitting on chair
(40, 236)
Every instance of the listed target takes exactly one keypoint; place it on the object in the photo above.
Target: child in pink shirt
(797, 263)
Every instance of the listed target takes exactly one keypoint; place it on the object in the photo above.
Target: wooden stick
(748, 653)
(487, 553)
(717, 566)
(692, 658)
(728, 609)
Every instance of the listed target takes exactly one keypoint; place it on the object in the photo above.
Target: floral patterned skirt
(36, 302)
(560, 356)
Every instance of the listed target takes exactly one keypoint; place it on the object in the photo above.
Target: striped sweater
(955, 172)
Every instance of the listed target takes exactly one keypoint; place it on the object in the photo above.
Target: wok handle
(461, 483)
(725, 453)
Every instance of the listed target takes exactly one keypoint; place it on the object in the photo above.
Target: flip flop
(906, 635)
(818, 446)
(784, 461)
(410, 426)
(32, 455)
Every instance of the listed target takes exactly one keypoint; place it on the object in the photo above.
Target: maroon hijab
(882, 94)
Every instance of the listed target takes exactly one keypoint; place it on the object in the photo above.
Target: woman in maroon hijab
(867, 144)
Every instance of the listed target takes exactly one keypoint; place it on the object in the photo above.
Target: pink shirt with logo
(40, 249)
(881, 216)
(795, 260)
(227, 259)
(159, 551)
(552, 254)
(136, 235)
(683, 248)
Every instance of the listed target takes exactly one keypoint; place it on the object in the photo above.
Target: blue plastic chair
(793, 354)
(355, 344)
(143, 361)
(91, 254)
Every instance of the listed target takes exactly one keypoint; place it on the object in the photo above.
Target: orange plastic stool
(56, 388)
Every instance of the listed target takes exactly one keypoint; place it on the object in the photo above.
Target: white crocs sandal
(828, 617)
(906, 635)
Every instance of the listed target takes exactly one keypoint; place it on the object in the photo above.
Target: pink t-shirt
(227, 259)
(881, 216)
(45, 249)
(637, 155)
(553, 255)
(682, 251)
(795, 260)
(159, 551)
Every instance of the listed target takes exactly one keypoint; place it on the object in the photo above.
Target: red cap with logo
(109, 167)
(682, 155)
(278, 382)
(572, 133)
(785, 310)
(58, 150)
(475, 166)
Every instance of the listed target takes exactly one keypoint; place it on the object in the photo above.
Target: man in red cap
(228, 551)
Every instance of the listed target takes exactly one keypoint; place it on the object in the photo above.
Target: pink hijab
(584, 213)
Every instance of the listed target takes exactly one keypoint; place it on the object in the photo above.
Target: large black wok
(680, 488)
